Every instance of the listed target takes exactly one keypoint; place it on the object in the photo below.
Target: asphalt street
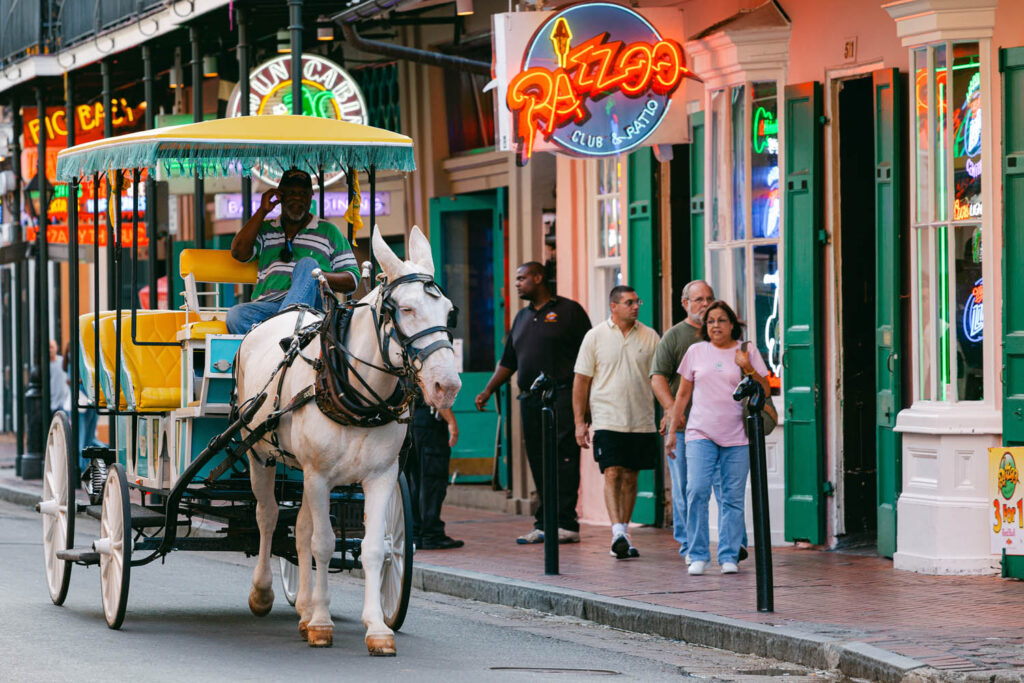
(188, 619)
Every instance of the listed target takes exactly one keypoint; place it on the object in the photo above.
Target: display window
(610, 226)
(743, 240)
(947, 222)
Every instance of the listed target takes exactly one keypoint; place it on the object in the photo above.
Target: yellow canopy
(236, 145)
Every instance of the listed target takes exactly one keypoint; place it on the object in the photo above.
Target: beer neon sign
(973, 319)
(604, 55)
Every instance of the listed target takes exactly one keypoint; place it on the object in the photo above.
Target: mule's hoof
(319, 636)
(261, 602)
(304, 629)
(381, 646)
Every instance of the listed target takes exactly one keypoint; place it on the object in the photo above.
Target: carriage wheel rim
(55, 526)
(394, 556)
(112, 564)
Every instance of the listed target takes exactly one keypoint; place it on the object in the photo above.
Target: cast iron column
(108, 132)
(69, 117)
(242, 18)
(295, 15)
(147, 88)
(199, 195)
(18, 295)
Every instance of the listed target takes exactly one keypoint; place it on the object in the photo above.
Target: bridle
(413, 356)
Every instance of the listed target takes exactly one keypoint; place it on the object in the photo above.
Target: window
(743, 247)
(947, 231)
(608, 261)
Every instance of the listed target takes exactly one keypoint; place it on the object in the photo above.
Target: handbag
(769, 417)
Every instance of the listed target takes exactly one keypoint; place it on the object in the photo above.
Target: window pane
(941, 145)
(721, 275)
(971, 328)
(739, 166)
(943, 315)
(922, 147)
(766, 328)
(926, 308)
(717, 120)
(764, 161)
(967, 132)
(739, 274)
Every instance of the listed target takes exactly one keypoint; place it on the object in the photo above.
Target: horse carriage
(287, 438)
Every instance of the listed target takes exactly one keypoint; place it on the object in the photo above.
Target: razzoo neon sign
(596, 80)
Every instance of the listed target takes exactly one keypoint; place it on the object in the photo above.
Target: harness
(335, 395)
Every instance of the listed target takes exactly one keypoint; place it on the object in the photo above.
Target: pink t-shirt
(714, 373)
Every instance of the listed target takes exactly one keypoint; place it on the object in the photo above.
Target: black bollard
(748, 388)
(549, 456)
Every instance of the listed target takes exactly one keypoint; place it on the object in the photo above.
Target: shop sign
(1007, 496)
(228, 206)
(328, 91)
(57, 231)
(766, 132)
(595, 79)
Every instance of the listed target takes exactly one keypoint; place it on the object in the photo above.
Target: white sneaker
(534, 536)
(688, 560)
(697, 568)
(730, 568)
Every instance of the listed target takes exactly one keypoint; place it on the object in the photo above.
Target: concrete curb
(853, 658)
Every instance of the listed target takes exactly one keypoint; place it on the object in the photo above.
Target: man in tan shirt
(611, 380)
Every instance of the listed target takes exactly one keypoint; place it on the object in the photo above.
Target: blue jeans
(705, 459)
(305, 289)
(677, 470)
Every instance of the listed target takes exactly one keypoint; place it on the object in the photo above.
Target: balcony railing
(20, 27)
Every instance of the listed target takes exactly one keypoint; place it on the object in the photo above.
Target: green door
(645, 278)
(697, 196)
(801, 359)
(1011, 64)
(889, 116)
(467, 237)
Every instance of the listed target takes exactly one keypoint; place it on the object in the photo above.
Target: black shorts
(632, 450)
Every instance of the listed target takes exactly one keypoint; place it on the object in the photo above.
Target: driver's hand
(481, 400)
(271, 198)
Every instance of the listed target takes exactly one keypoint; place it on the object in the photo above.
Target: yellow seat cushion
(155, 371)
(87, 355)
(216, 265)
(108, 346)
(159, 398)
(200, 328)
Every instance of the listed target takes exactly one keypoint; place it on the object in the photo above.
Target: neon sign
(973, 319)
(627, 74)
(766, 131)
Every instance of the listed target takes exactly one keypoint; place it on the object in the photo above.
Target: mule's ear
(389, 263)
(419, 250)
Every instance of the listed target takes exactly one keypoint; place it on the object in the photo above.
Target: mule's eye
(405, 309)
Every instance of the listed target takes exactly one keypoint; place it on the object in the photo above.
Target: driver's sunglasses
(286, 253)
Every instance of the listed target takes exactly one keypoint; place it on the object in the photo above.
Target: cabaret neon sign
(604, 55)
(766, 131)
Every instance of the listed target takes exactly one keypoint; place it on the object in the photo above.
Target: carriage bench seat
(215, 266)
(154, 372)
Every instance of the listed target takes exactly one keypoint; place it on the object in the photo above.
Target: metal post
(108, 132)
(546, 388)
(147, 87)
(759, 498)
(18, 310)
(242, 19)
(199, 195)
(96, 285)
(373, 222)
(295, 26)
(74, 338)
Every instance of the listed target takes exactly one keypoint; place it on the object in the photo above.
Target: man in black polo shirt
(545, 337)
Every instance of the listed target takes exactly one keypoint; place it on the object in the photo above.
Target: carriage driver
(287, 250)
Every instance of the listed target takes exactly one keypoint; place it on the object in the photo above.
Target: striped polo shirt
(321, 240)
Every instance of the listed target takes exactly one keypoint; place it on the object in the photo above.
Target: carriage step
(83, 556)
(142, 517)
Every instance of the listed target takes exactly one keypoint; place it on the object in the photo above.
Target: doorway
(857, 305)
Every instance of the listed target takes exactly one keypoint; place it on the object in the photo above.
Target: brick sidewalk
(952, 623)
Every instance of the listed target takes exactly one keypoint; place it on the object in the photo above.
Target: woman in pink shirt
(715, 439)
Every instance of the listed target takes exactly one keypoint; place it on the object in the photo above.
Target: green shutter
(645, 278)
(697, 196)
(889, 115)
(804, 507)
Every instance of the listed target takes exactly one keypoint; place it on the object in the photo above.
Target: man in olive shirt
(545, 337)
(697, 295)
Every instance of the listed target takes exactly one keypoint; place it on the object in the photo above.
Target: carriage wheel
(115, 545)
(58, 505)
(289, 580)
(396, 573)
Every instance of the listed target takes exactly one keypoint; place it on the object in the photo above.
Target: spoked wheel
(289, 580)
(115, 545)
(396, 573)
(58, 505)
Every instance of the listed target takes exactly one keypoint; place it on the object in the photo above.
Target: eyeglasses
(630, 302)
(701, 299)
(286, 253)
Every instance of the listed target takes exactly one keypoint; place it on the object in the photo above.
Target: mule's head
(419, 306)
